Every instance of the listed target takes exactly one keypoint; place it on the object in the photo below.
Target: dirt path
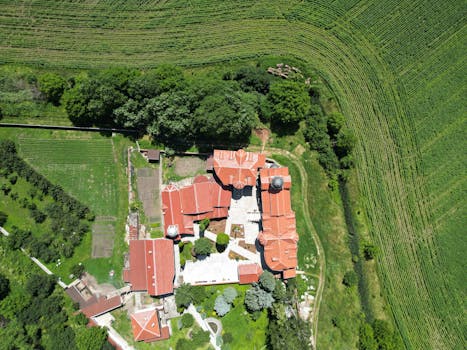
(319, 247)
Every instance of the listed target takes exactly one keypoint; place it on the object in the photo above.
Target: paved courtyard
(244, 210)
(216, 268)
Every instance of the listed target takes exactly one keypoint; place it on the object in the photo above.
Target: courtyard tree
(222, 241)
(203, 246)
(204, 224)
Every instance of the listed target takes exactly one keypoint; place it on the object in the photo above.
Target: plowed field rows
(397, 69)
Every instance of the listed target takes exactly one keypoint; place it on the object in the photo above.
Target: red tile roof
(146, 326)
(152, 266)
(279, 236)
(238, 168)
(205, 198)
(249, 273)
(101, 306)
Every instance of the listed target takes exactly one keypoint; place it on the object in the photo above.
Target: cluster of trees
(262, 295)
(333, 141)
(37, 318)
(224, 301)
(187, 294)
(199, 339)
(161, 102)
(286, 330)
(66, 217)
(378, 335)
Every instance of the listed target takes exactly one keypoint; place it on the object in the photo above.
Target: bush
(187, 320)
(199, 338)
(221, 306)
(3, 218)
(267, 281)
(203, 246)
(350, 279)
(227, 338)
(230, 294)
(369, 251)
(77, 270)
(4, 287)
(204, 224)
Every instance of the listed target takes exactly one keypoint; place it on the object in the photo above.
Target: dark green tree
(203, 246)
(77, 270)
(184, 295)
(224, 117)
(52, 86)
(3, 218)
(369, 251)
(187, 320)
(335, 123)
(41, 285)
(350, 279)
(345, 142)
(366, 339)
(4, 287)
(289, 101)
(90, 338)
(267, 281)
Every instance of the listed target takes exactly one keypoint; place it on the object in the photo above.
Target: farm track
(380, 83)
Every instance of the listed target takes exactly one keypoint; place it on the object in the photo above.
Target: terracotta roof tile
(146, 326)
(249, 273)
(102, 305)
(152, 266)
(238, 168)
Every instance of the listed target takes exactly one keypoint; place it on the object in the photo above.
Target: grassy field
(91, 168)
(397, 71)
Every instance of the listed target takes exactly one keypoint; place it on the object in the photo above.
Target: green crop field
(397, 69)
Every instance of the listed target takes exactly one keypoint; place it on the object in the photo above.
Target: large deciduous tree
(52, 86)
(289, 102)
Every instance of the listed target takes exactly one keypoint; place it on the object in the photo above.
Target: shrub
(203, 246)
(369, 251)
(77, 270)
(3, 218)
(199, 338)
(187, 320)
(267, 281)
(227, 338)
(221, 306)
(230, 294)
(350, 279)
(4, 287)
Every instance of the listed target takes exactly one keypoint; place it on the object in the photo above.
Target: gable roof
(237, 168)
(249, 273)
(152, 266)
(102, 305)
(204, 198)
(279, 236)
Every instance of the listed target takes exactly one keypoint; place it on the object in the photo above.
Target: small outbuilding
(249, 273)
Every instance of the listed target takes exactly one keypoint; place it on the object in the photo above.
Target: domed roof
(277, 182)
(172, 231)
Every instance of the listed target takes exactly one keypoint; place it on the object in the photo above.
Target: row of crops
(397, 70)
(85, 168)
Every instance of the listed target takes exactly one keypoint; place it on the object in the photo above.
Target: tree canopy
(203, 246)
(289, 102)
(52, 86)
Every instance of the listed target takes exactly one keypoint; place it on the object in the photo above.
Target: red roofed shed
(101, 306)
(249, 273)
(238, 168)
(146, 326)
